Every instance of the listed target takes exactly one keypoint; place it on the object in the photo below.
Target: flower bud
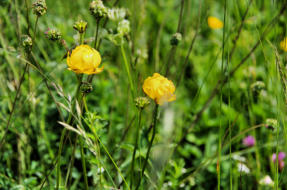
(142, 102)
(39, 7)
(80, 26)
(256, 88)
(53, 35)
(272, 124)
(86, 87)
(27, 43)
(98, 9)
(175, 39)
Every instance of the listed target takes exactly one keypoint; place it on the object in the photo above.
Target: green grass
(107, 142)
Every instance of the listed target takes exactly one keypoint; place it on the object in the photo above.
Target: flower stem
(136, 146)
(150, 144)
(65, 131)
(97, 33)
(84, 164)
(128, 70)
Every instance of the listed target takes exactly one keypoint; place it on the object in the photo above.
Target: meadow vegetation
(143, 94)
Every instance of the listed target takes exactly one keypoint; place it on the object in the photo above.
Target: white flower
(123, 27)
(266, 180)
(243, 168)
(117, 14)
(239, 158)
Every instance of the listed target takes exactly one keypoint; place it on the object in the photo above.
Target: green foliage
(223, 95)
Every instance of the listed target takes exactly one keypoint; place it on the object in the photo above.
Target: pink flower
(281, 156)
(249, 141)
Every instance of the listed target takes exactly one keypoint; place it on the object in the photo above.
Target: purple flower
(249, 141)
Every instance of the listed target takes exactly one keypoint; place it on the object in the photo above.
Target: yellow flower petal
(159, 89)
(214, 23)
(84, 59)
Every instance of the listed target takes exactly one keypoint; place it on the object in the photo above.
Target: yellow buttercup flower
(84, 59)
(159, 89)
(214, 23)
(283, 44)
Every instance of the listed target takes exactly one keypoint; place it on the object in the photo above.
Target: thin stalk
(97, 33)
(27, 17)
(136, 146)
(68, 176)
(64, 131)
(128, 70)
(35, 29)
(150, 143)
(172, 51)
(13, 106)
(111, 158)
(84, 164)
(220, 127)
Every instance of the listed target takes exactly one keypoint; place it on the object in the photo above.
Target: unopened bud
(39, 7)
(175, 39)
(86, 87)
(142, 102)
(27, 43)
(80, 26)
(53, 34)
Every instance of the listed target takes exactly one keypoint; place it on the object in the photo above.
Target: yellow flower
(214, 23)
(283, 44)
(84, 59)
(159, 89)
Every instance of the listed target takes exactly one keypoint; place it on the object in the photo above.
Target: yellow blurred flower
(159, 89)
(214, 23)
(84, 59)
(283, 44)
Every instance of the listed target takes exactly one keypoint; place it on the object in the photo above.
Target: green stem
(13, 106)
(97, 33)
(136, 146)
(128, 70)
(65, 131)
(35, 29)
(84, 164)
(82, 38)
(111, 158)
(150, 144)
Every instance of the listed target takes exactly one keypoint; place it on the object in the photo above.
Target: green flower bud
(27, 43)
(39, 7)
(86, 87)
(53, 35)
(80, 26)
(272, 124)
(98, 9)
(258, 86)
(175, 39)
(142, 102)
